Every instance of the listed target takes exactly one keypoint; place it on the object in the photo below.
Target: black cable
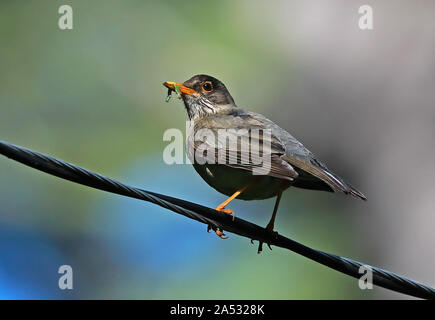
(213, 218)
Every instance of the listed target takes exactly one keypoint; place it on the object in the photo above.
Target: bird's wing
(231, 135)
(302, 159)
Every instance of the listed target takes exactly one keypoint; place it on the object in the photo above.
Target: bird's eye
(207, 86)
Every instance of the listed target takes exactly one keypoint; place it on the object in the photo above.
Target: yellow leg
(221, 208)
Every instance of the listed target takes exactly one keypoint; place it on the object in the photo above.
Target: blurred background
(362, 101)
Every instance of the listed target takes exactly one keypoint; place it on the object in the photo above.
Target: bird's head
(203, 95)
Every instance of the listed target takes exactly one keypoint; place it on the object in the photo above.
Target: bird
(211, 109)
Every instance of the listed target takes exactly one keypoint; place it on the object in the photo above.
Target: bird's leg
(271, 223)
(221, 207)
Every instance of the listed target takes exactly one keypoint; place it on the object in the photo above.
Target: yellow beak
(183, 89)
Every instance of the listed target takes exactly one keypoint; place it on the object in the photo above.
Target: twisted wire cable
(214, 219)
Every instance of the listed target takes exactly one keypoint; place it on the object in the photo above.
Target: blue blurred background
(363, 101)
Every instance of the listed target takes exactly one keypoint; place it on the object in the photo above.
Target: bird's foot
(221, 234)
(227, 211)
(260, 246)
(218, 232)
(270, 227)
(273, 234)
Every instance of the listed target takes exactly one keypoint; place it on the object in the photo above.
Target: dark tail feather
(347, 188)
(356, 193)
(319, 171)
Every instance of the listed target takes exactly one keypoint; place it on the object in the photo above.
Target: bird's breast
(228, 180)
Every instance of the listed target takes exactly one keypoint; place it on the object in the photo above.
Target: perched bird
(211, 109)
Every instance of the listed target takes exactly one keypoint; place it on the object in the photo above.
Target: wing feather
(227, 149)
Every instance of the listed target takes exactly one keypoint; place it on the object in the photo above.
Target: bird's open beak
(183, 89)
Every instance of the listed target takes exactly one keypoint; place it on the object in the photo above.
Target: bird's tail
(356, 193)
(320, 171)
(345, 187)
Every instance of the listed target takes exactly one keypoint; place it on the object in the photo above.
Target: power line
(213, 219)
